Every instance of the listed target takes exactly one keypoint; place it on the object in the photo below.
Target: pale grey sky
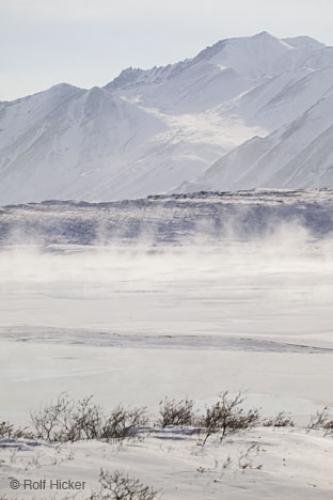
(88, 42)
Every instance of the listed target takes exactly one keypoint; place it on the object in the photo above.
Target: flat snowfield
(133, 322)
(131, 325)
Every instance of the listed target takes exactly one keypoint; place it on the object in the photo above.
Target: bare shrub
(318, 420)
(226, 416)
(123, 423)
(175, 413)
(117, 486)
(328, 427)
(321, 420)
(8, 430)
(246, 458)
(68, 420)
(282, 419)
(72, 420)
(86, 420)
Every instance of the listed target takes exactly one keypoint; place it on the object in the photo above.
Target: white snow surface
(178, 296)
(160, 130)
(283, 463)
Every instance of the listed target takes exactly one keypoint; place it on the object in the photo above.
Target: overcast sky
(88, 42)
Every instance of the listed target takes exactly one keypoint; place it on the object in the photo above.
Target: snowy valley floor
(132, 326)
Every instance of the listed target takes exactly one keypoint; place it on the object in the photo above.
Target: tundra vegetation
(66, 420)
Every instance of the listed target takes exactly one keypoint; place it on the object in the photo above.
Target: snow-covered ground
(175, 313)
(260, 464)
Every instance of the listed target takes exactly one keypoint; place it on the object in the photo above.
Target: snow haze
(120, 317)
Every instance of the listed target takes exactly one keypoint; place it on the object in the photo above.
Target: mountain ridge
(168, 128)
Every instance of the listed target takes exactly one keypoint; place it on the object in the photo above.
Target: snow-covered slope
(299, 154)
(258, 102)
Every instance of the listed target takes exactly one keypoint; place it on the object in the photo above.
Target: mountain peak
(249, 56)
(63, 88)
(263, 34)
(307, 42)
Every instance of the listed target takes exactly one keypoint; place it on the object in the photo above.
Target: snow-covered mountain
(246, 112)
(299, 154)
